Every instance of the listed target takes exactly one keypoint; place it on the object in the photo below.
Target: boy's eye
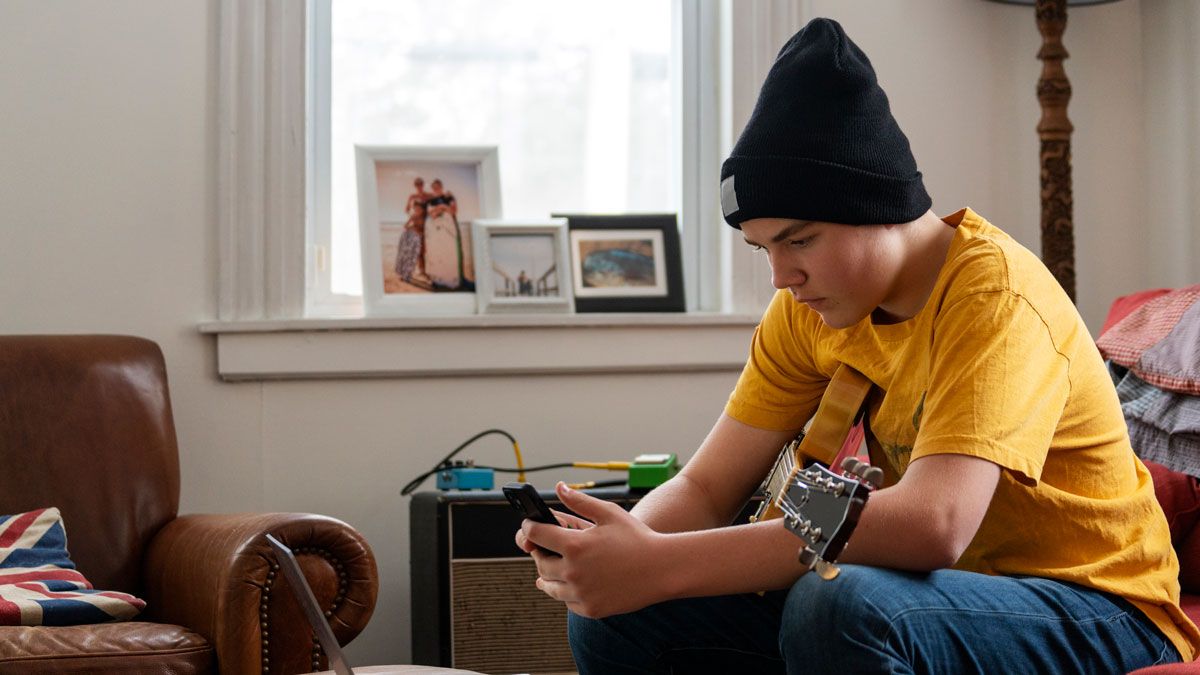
(801, 243)
(756, 248)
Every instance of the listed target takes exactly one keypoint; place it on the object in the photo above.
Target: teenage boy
(1022, 535)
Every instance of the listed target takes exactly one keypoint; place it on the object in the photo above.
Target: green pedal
(650, 471)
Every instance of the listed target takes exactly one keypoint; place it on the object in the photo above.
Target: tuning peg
(807, 557)
(850, 463)
(874, 476)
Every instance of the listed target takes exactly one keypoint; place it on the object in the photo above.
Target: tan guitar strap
(837, 412)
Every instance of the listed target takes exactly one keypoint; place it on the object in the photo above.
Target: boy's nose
(783, 277)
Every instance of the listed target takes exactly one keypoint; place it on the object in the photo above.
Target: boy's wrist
(674, 568)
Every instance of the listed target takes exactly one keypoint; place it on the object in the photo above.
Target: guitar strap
(839, 409)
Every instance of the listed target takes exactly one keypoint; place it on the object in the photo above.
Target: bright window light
(577, 95)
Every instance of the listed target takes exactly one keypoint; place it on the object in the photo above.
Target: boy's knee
(820, 611)
(581, 631)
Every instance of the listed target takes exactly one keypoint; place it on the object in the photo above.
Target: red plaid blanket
(1159, 341)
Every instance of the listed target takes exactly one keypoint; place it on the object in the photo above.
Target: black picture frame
(665, 295)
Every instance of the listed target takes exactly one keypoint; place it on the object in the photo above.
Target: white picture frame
(414, 263)
(523, 266)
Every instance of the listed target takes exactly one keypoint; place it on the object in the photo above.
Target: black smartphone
(525, 498)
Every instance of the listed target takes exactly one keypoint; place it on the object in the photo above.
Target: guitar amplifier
(474, 603)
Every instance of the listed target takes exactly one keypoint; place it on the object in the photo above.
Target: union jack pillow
(39, 585)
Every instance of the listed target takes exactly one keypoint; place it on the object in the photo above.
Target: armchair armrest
(216, 575)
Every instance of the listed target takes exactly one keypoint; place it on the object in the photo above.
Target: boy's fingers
(596, 510)
(570, 520)
(523, 542)
(550, 537)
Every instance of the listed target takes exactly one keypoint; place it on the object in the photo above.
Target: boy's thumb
(595, 510)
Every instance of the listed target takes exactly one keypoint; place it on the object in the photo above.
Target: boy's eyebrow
(789, 231)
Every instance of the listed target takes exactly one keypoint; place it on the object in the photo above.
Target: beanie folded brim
(812, 189)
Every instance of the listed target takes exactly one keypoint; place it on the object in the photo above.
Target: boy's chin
(840, 319)
(837, 320)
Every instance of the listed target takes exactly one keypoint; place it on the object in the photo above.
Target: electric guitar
(817, 505)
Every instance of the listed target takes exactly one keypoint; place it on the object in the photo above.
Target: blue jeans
(873, 620)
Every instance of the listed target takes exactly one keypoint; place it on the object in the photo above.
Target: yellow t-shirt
(997, 365)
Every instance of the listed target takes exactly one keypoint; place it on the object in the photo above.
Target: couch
(86, 426)
(1178, 493)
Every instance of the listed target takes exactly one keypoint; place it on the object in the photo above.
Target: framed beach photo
(522, 266)
(415, 206)
(626, 263)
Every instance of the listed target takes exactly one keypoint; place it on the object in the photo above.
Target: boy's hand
(566, 520)
(605, 567)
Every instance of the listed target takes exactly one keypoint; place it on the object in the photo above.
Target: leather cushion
(129, 647)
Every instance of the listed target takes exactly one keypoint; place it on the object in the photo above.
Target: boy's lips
(814, 303)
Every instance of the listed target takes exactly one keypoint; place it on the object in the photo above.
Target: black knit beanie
(821, 143)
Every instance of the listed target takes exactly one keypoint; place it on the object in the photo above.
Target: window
(269, 93)
(594, 107)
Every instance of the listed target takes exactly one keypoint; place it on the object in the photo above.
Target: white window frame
(264, 207)
(261, 160)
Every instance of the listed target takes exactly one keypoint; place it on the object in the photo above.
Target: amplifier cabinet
(474, 603)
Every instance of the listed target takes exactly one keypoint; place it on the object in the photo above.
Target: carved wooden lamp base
(1054, 130)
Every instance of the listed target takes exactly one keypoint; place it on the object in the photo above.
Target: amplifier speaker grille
(474, 603)
(502, 623)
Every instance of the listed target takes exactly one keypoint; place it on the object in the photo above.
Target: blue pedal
(465, 478)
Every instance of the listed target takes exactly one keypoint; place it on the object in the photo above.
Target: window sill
(480, 345)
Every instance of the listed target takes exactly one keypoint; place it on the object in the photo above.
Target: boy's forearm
(678, 505)
(759, 557)
(764, 556)
(737, 559)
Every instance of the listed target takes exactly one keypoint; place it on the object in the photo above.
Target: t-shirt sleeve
(780, 385)
(998, 384)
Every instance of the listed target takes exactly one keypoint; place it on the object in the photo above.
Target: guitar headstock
(822, 508)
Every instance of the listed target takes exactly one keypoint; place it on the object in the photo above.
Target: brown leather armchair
(86, 425)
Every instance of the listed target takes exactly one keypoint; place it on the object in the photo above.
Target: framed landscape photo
(415, 206)
(626, 263)
(523, 266)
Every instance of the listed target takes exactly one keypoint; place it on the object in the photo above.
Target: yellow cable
(520, 462)
(607, 466)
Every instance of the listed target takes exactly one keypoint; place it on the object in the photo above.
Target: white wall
(961, 75)
(107, 183)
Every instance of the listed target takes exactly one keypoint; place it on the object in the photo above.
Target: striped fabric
(1164, 426)
(39, 585)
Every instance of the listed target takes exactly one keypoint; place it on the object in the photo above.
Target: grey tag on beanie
(729, 204)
